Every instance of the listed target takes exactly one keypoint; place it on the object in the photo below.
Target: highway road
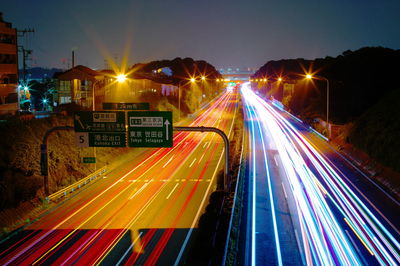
(143, 212)
(306, 204)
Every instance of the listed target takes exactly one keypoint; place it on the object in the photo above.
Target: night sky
(225, 33)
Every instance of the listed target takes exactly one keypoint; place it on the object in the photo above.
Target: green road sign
(100, 139)
(89, 159)
(99, 121)
(126, 106)
(150, 129)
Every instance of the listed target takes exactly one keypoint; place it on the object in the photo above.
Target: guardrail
(231, 244)
(77, 185)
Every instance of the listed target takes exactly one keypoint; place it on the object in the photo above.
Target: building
(8, 68)
(77, 85)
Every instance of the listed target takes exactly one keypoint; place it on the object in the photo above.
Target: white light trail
(326, 204)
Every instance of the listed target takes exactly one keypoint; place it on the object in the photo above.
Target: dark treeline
(358, 80)
(183, 69)
(192, 94)
(364, 90)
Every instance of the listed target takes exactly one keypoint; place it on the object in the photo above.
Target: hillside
(20, 178)
(363, 90)
(357, 80)
(377, 131)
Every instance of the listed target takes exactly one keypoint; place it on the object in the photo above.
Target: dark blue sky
(225, 33)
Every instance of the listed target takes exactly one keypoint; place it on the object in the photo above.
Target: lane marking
(172, 191)
(140, 190)
(170, 159)
(183, 247)
(284, 191)
(276, 161)
(201, 158)
(192, 162)
(199, 211)
(129, 249)
(107, 203)
(205, 144)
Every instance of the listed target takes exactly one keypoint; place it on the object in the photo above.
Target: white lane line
(170, 159)
(284, 191)
(192, 162)
(140, 190)
(129, 249)
(276, 161)
(183, 247)
(172, 191)
(201, 158)
(205, 143)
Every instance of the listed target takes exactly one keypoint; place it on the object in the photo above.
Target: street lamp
(179, 100)
(97, 81)
(44, 101)
(121, 78)
(192, 80)
(309, 76)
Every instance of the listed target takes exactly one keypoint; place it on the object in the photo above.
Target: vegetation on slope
(358, 81)
(377, 131)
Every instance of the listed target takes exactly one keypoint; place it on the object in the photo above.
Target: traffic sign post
(43, 160)
(100, 129)
(150, 129)
(126, 106)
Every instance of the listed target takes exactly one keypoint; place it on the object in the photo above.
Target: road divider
(77, 185)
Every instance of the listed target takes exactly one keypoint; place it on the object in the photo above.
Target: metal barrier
(77, 185)
(230, 245)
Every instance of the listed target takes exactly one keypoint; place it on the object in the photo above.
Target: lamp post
(179, 100)
(98, 80)
(309, 76)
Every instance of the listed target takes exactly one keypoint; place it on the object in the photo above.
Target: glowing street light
(203, 78)
(279, 79)
(309, 76)
(192, 80)
(121, 78)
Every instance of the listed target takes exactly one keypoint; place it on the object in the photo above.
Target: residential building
(8, 68)
(76, 85)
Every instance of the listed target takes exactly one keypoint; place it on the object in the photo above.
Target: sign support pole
(226, 142)
(44, 163)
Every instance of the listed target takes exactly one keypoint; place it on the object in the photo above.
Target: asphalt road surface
(143, 212)
(306, 204)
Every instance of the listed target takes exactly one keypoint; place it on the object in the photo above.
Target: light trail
(101, 221)
(326, 205)
(252, 114)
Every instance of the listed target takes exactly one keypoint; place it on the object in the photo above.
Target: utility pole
(25, 52)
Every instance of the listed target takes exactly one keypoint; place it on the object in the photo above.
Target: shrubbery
(377, 131)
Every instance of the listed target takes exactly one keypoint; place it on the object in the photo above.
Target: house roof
(79, 72)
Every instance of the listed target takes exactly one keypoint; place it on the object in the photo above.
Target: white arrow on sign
(166, 123)
(78, 118)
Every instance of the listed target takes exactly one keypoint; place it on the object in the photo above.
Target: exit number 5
(82, 139)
